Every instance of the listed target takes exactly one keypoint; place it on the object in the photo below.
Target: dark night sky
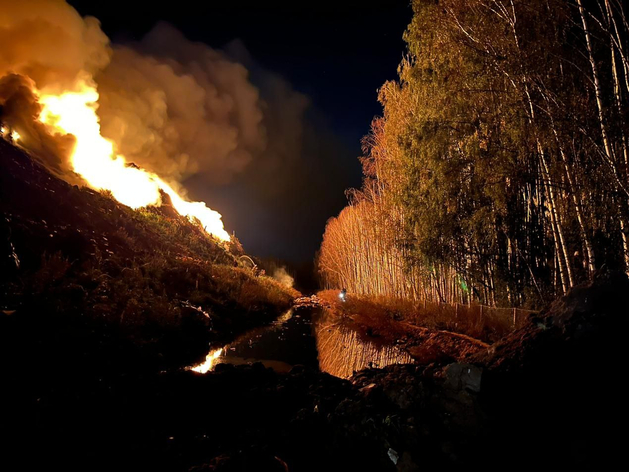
(336, 53)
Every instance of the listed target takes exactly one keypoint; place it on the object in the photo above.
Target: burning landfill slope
(150, 280)
(92, 132)
(135, 120)
(44, 214)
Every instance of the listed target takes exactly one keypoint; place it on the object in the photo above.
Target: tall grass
(387, 316)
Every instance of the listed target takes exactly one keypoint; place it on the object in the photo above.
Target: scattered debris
(310, 302)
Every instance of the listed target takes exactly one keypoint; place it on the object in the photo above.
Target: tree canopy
(498, 172)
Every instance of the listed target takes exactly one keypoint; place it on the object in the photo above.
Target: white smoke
(283, 277)
(180, 108)
(49, 42)
(171, 106)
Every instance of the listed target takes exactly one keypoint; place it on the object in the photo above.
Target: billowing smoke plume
(20, 110)
(283, 277)
(171, 106)
(193, 115)
(180, 108)
(45, 45)
(49, 42)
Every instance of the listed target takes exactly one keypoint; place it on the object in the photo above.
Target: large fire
(95, 159)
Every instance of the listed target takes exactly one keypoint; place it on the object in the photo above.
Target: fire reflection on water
(209, 363)
(342, 352)
(337, 349)
(225, 354)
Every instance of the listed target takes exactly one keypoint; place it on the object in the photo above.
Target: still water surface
(307, 337)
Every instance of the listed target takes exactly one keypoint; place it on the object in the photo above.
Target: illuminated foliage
(498, 172)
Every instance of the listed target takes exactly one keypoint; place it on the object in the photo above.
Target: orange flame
(95, 159)
(210, 362)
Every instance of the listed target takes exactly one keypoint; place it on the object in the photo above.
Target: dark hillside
(150, 278)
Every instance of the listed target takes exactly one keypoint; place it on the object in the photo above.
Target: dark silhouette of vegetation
(154, 277)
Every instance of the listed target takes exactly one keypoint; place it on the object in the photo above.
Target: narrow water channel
(307, 337)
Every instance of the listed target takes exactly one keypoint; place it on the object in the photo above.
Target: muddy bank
(377, 324)
(544, 396)
(551, 385)
(177, 421)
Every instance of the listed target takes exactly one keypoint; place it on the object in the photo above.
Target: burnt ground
(83, 388)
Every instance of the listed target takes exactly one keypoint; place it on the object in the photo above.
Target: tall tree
(489, 177)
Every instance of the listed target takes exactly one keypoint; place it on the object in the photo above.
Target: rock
(393, 455)
(463, 377)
